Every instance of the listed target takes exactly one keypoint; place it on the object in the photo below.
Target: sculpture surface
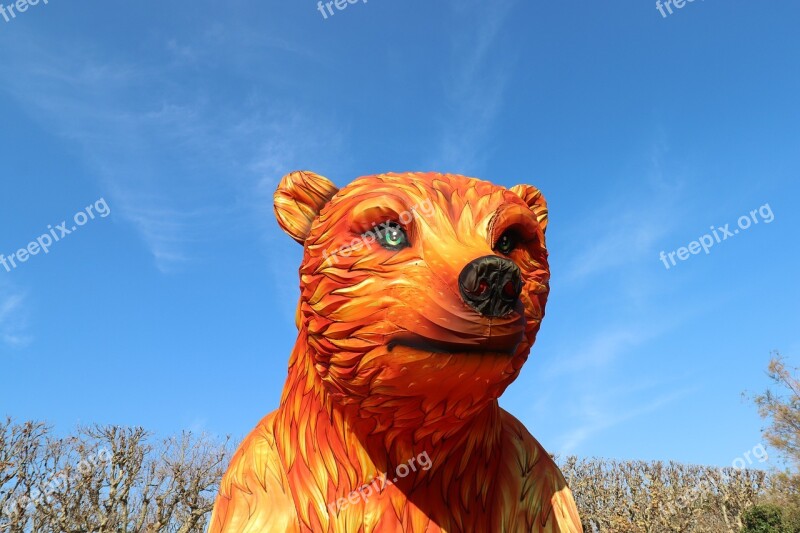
(421, 296)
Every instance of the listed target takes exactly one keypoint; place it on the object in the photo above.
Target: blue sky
(176, 310)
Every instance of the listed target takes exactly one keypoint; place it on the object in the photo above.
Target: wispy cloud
(605, 348)
(13, 319)
(597, 418)
(179, 166)
(167, 231)
(81, 99)
(625, 237)
(181, 53)
(475, 88)
(626, 226)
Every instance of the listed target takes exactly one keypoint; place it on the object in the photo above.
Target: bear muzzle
(491, 285)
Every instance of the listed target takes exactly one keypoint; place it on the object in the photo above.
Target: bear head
(420, 292)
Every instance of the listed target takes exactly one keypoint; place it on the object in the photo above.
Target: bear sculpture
(421, 296)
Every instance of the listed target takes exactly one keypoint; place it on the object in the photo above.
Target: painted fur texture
(421, 296)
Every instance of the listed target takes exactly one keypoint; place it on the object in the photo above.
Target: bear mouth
(503, 345)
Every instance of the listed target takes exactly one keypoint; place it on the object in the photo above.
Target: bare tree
(23, 460)
(781, 408)
(656, 497)
(107, 478)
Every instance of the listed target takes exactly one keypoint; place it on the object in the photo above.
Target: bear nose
(491, 285)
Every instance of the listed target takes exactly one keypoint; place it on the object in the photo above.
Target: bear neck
(315, 434)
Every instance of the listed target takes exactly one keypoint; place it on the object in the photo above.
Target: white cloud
(13, 319)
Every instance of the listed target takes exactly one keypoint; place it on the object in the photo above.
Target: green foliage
(771, 518)
(763, 519)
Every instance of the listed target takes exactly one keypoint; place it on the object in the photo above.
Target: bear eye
(506, 243)
(392, 236)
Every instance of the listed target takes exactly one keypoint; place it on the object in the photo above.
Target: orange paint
(403, 351)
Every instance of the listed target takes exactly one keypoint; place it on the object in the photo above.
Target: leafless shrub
(106, 478)
(656, 497)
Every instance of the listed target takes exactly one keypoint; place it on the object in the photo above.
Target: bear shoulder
(254, 493)
(547, 504)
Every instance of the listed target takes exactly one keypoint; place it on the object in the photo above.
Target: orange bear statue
(421, 296)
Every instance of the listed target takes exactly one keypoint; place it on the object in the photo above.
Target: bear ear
(535, 200)
(299, 198)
